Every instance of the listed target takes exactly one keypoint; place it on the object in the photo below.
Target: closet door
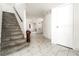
(62, 25)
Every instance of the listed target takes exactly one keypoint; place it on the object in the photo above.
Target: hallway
(58, 24)
(40, 46)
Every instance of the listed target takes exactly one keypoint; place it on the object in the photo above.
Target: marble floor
(40, 46)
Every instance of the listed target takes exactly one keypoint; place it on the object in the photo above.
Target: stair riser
(12, 43)
(11, 34)
(16, 33)
(13, 28)
(16, 27)
(17, 37)
(9, 18)
(14, 49)
(10, 22)
(9, 38)
(9, 15)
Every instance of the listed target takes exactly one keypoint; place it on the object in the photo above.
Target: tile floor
(40, 46)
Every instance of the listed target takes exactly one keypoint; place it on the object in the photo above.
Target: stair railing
(18, 14)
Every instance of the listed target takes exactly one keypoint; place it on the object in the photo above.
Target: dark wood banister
(18, 14)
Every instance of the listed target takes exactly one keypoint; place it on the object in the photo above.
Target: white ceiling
(39, 9)
(36, 9)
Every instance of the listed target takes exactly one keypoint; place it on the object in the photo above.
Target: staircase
(12, 38)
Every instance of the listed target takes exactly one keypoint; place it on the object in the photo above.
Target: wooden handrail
(18, 14)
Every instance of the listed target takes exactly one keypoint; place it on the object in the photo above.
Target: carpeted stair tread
(12, 38)
(12, 49)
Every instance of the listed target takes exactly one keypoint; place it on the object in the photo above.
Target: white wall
(37, 21)
(76, 26)
(22, 12)
(62, 25)
(7, 8)
(47, 26)
(0, 22)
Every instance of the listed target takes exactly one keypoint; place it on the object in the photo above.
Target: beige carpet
(40, 46)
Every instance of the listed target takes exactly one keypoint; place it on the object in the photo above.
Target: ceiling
(39, 9)
(36, 9)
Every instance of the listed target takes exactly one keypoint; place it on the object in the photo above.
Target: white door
(62, 25)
